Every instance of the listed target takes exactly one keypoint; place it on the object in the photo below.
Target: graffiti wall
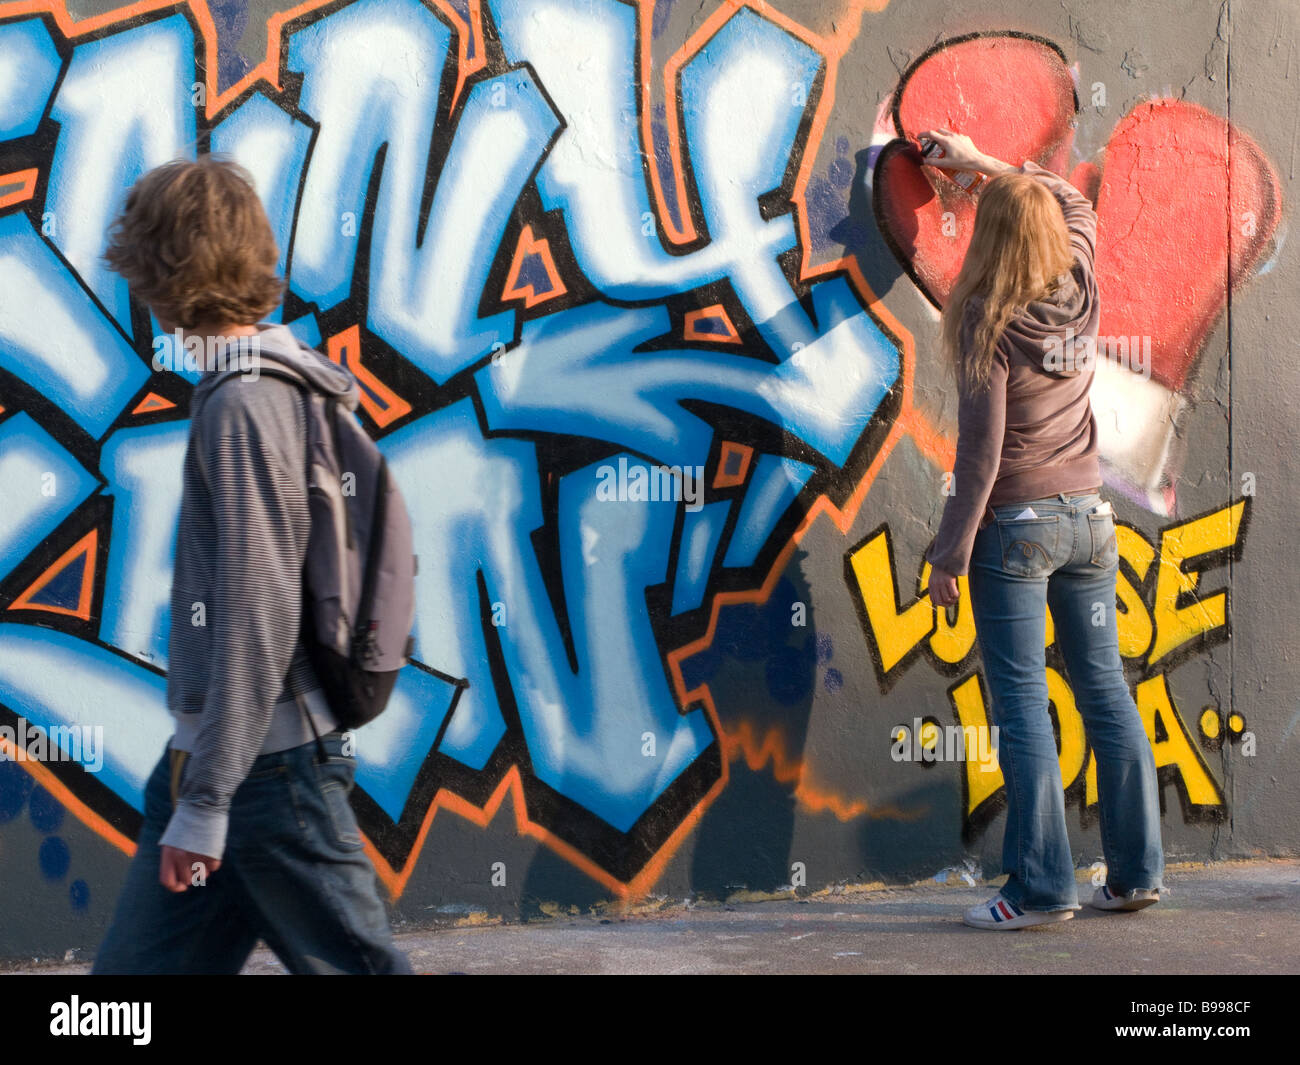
(643, 299)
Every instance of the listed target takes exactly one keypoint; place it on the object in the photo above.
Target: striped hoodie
(237, 670)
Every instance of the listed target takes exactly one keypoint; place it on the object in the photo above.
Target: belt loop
(176, 760)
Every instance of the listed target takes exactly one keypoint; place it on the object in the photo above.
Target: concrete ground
(1229, 918)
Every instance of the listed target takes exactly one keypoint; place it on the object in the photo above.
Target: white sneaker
(1000, 915)
(1105, 899)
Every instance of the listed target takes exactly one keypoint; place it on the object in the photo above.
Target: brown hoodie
(1032, 434)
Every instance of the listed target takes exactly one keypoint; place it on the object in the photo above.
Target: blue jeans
(1065, 557)
(294, 874)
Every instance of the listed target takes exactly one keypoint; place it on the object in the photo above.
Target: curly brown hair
(195, 245)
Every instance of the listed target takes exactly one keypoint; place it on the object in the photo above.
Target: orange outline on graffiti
(345, 349)
(152, 402)
(722, 479)
(24, 192)
(690, 326)
(83, 813)
(757, 752)
(512, 784)
(530, 244)
(268, 69)
(910, 420)
(88, 545)
(831, 49)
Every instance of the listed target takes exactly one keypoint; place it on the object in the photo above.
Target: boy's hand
(179, 868)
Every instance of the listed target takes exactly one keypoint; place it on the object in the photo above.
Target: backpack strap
(322, 755)
(272, 370)
(305, 390)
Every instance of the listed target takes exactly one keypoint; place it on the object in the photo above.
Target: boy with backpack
(247, 828)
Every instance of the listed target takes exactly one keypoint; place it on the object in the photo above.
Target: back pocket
(1029, 545)
(1105, 547)
(342, 819)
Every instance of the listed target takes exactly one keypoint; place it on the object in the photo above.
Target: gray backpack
(359, 575)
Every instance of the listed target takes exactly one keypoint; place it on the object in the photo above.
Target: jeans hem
(1129, 893)
(1019, 904)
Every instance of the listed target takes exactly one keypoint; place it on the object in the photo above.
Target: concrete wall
(564, 244)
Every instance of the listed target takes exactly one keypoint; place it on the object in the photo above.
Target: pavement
(1236, 918)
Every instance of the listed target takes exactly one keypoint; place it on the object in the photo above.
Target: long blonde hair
(1018, 251)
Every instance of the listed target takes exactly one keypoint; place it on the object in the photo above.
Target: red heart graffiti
(1186, 204)
(1013, 95)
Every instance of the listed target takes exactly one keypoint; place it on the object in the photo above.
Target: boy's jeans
(294, 874)
(1066, 557)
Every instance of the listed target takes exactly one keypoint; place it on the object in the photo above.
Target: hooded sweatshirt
(239, 683)
(1032, 434)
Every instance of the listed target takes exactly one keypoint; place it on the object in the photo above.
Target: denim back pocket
(1029, 545)
(1105, 547)
(334, 781)
(342, 819)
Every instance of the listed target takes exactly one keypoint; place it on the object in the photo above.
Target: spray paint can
(969, 180)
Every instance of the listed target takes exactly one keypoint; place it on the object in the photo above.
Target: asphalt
(1222, 918)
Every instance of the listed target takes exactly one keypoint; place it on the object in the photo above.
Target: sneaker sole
(1031, 919)
(1128, 906)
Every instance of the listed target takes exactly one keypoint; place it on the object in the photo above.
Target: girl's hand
(959, 151)
(943, 587)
